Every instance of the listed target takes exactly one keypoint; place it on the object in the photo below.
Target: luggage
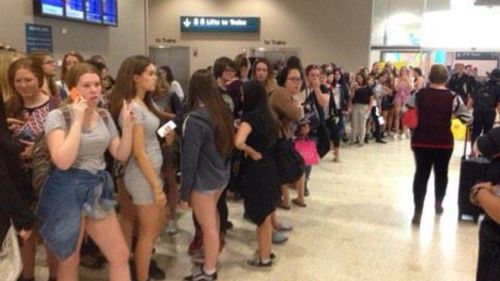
(472, 171)
(458, 129)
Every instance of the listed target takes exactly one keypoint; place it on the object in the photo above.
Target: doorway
(177, 57)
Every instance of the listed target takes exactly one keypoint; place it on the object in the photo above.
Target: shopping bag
(308, 150)
(410, 118)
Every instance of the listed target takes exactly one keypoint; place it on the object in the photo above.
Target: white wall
(114, 44)
(324, 30)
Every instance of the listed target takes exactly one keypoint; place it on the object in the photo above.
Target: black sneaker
(155, 272)
(439, 209)
(417, 216)
(257, 264)
(197, 274)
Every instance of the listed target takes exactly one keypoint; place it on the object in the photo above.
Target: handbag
(410, 118)
(10, 257)
(289, 162)
(307, 149)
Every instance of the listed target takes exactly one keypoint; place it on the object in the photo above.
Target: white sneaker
(407, 133)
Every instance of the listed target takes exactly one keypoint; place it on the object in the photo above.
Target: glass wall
(425, 32)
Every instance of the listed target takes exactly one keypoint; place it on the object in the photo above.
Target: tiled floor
(356, 227)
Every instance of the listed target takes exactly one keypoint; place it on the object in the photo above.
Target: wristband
(474, 192)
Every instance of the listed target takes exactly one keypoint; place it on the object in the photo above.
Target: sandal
(93, 262)
(284, 206)
(299, 203)
(284, 227)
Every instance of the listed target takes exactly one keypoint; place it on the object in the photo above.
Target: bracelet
(474, 192)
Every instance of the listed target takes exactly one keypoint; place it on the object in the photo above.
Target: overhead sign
(38, 38)
(220, 24)
(475, 56)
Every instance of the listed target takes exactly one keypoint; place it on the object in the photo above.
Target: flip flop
(298, 203)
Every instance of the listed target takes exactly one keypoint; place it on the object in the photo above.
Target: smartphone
(163, 129)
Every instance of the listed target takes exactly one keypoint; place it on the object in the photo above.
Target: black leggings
(378, 126)
(488, 263)
(425, 159)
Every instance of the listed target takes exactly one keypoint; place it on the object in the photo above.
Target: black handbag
(320, 130)
(289, 163)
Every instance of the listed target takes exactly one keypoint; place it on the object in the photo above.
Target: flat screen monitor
(52, 7)
(75, 9)
(102, 12)
(110, 12)
(93, 11)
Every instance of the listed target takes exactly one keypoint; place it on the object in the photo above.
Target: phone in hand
(75, 94)
(170, 125)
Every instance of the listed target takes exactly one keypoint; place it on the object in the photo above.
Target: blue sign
(220, 24)
(38, 38)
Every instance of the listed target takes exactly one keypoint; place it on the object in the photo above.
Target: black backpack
(484, 98)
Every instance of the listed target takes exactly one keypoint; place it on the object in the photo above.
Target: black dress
(259, 179)
(12, 184)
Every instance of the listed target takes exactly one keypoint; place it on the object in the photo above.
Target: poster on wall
(38, 38)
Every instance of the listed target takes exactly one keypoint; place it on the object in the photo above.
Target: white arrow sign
(187, 23)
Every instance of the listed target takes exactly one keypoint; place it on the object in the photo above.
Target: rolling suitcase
(472, 171)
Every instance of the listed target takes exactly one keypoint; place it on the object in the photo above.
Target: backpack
(42, 162)
(484, 98)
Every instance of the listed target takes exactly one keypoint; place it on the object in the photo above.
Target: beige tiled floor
(356, 227)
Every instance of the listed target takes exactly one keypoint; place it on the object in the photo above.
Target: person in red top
(432, 140)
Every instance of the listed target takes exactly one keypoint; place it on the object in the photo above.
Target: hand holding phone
(170, 126)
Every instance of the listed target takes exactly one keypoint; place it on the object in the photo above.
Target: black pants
(483, 122)
(488, 263)
(425, 159)
(378, 127)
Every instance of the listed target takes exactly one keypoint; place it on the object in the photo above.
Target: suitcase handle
(467, 131)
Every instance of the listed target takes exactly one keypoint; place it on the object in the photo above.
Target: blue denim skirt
(65, 198)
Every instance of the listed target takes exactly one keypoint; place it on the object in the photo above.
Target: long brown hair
(270, 83)
(40, 56)
(64, 71)
(203, 89)
(125, 88)
(14, 105)
(6, 59)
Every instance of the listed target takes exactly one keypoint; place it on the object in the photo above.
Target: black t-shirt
(362, 95)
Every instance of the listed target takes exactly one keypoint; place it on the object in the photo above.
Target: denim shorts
(65, 198)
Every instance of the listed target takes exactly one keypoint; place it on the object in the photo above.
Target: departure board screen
(93, 10)
(102, 12)
(75, 9)
(52, 7)
(110, 12)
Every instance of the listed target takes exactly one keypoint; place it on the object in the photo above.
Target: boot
(417, 216)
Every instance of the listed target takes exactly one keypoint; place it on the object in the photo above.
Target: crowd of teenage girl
(101, 136)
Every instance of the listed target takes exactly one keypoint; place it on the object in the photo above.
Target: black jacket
(463, 85)
(12, 180)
